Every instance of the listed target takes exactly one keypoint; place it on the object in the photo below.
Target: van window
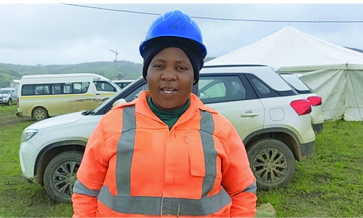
(104, 86)
(67, 88)
(84, 87)
(41, 89)
(55, 89)
(27, 90)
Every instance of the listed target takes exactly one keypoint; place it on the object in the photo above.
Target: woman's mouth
(168, 91)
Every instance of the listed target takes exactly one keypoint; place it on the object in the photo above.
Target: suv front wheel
(272, 163)
(61, 174)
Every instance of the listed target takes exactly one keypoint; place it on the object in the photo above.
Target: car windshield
(100, 106)
(94, 110)
(4, 91)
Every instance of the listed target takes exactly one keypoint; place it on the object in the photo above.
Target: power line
(109, 9)
(222, 19)
(280, 21)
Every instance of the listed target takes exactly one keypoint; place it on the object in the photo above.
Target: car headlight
(28, 134)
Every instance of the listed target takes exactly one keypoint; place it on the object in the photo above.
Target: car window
(296, 83)
(221, 89)
(122, 84)
(265, 91)
(262, 88)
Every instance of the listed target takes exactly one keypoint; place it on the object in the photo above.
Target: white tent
(333, 72)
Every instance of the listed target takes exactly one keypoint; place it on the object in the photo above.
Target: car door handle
(249, 114)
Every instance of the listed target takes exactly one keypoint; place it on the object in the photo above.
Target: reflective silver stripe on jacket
(79, 188)
(164, 206)
(252, 188)
(125, 151)
(210, 153)
(124, 203)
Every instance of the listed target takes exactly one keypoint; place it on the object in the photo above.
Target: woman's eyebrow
(158, 59)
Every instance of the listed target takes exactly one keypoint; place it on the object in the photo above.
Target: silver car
(8, 96)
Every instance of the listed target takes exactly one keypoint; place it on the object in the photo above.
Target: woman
(165, 153)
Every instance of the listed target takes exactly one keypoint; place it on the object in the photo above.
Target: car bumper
(306, 151)
(27, 153)
(318, 128)
(27, 179)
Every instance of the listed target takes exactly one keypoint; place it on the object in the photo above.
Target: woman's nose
(168, 74)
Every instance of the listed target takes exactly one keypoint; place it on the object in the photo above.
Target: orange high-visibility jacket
(134, 166)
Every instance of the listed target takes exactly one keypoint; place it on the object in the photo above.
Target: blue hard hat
(175, 24)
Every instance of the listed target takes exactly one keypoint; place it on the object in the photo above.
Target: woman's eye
(181, 68)
(158, 66)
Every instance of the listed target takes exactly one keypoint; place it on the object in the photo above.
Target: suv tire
(272, 163)
(61, 174)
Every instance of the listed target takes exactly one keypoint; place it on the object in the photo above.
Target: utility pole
(116, 53)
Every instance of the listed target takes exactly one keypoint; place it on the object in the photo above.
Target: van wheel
(10, 102)
(61, 174)
(39, 113)
(272, 163)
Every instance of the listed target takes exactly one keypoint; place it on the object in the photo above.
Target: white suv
(270, 117)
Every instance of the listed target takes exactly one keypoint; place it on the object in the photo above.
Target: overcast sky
(49, 34)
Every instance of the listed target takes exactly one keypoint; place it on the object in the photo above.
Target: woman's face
(170, 78)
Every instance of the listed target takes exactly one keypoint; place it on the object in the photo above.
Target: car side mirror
(120, 101)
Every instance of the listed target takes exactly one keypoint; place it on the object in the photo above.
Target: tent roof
(290, 47)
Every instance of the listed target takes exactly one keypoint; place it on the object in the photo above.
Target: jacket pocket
(198, 156)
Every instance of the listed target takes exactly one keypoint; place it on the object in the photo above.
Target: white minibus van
(48, 95)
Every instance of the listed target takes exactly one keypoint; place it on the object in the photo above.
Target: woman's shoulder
(203, 107)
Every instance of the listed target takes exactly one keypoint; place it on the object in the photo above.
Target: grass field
(328, 185)
(331, 183)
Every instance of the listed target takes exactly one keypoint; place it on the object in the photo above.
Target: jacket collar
(142, 107)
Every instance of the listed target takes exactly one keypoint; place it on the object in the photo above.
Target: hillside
(356, 49)
(111, 70)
